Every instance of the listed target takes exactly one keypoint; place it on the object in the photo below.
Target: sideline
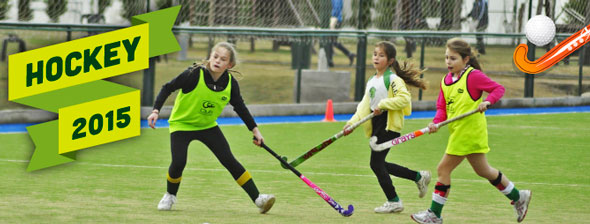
(21, 128)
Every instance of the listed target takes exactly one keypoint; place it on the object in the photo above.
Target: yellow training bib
(470, 134)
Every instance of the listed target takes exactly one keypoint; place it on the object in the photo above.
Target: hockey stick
(412, 135)
(326, 143)
(317, 190)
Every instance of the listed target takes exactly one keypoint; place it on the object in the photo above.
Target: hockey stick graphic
(326, 143)
(412, 135)
(317, 190)
(550, 58)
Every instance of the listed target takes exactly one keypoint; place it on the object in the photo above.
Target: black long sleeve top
(187, 81)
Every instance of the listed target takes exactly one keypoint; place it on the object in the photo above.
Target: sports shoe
(390, 207)
(522, 205)
(422, 184)
(167, 201)
(426, 217)
(265, 202)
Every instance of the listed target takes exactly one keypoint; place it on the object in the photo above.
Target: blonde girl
(204, 91)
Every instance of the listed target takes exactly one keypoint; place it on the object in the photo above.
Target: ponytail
(464, 49)
(409, 73)
(474, 62)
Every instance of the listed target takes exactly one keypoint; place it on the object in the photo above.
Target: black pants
(330, 51)
(214, 139)
(380, 167)
(341, 48)
(481, 47)
(410, 46)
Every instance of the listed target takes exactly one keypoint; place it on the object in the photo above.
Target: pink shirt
(477, 82)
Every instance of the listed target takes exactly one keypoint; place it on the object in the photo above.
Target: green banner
(66, 78)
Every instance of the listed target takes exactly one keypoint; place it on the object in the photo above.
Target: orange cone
(329, 112)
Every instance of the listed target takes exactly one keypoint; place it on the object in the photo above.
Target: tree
(446, 14)
(162, 4)
(201, 13)
(4, 6)
(102, 5)
(581, 7)
(183, 14)
(132, 8)
(24, 10)
(56, 8)
(385, 14)
(366, 13)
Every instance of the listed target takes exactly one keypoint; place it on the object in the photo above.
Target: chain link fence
(274, 36)
(510, 15)
(499, 16)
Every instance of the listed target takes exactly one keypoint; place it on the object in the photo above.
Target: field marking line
(409, 119)
(281, 171)
(532, 127)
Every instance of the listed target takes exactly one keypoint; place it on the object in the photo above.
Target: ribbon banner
(66, 78)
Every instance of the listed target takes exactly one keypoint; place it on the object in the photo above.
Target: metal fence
(504, 16)
(274, 38)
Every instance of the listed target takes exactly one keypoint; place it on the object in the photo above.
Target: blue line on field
(18, 128)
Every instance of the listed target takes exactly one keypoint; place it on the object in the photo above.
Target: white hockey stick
(412, 135)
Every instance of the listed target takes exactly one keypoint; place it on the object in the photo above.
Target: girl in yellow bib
(387, 97)
(205, 91)
(461, 92)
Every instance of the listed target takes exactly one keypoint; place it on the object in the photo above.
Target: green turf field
(122, 182)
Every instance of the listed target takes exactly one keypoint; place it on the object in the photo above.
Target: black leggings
(214, 139)
(383, 169)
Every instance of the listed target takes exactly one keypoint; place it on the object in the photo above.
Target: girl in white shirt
(387, 97)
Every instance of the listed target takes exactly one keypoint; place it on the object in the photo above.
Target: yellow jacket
(398, 104)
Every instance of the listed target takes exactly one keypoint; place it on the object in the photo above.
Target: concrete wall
(32, 116)
(319, 86)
